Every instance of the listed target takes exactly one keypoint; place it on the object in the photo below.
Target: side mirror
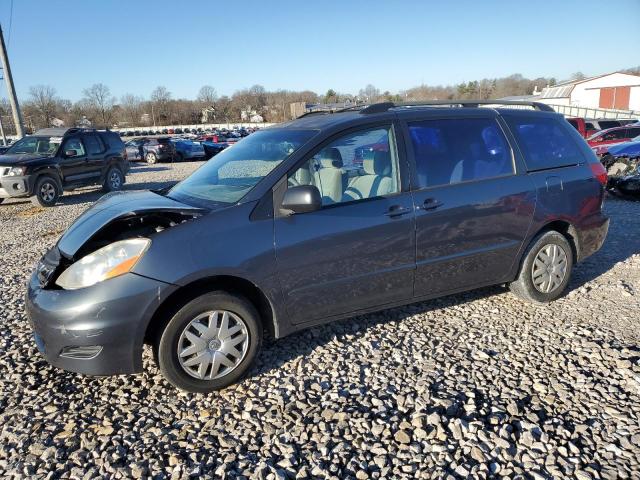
(302, 199)
(71, 153)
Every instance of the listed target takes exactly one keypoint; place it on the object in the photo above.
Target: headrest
(380, 164)
(331, 157)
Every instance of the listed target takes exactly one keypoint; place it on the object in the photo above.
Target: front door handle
(397, 210)
(431, 204)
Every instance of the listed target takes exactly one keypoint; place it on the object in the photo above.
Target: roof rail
(385, 106)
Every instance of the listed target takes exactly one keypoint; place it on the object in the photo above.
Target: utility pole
(13, 100)
(4, 137)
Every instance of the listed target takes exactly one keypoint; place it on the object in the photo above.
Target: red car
(585, 128)
(601, 141)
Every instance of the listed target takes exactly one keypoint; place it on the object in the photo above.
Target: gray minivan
(321, 218)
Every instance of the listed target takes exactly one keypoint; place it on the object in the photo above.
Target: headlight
(17, 171)
(108, 262)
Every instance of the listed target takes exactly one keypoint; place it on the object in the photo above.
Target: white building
(617, 91)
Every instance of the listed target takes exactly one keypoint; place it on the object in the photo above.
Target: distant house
(56, 122)
(619, 91)
(83, 122)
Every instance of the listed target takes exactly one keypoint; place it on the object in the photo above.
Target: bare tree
(369, 93)
(131, 108)
(160, 100)
(207, 95)
(44, 102)
(99, 99)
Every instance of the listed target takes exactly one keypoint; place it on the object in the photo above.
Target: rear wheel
(546, 269)
(209, 343)
(151, 158)
(46, 193)
(113, 180)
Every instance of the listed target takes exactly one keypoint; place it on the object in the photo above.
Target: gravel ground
(472, 385)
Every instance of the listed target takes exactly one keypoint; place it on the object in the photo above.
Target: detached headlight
(108, 262)
(17, 171)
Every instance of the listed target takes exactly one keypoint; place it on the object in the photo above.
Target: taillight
(599, 172)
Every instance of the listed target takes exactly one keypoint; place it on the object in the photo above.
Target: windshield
(33, 144)
(229, 176)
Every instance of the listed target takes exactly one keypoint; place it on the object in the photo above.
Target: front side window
(357, 166)
(458, 150)
(232, 173)
(544, 142)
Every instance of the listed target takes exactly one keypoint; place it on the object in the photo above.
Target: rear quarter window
(113, 140)
(545, 142)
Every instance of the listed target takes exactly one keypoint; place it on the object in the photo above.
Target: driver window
(357, 166)
(74, 144)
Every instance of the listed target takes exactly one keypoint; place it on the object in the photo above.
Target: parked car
(52, 160)
(187, 149)
(266, 237)
(601, 141)
(151, 150)
(211, 148)
(602, 124)
(581, 126)
(630, 149)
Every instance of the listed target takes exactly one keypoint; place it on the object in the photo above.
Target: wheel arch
(567, 229)
(227, 283)
(49, 171)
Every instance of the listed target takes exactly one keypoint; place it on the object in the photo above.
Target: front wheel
(179, 157)
(151, 158)
(546, 269)
(46, 193)
(209, 343)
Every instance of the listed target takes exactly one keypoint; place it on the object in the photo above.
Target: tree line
(43, 107)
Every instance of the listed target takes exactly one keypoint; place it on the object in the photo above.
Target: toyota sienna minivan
(321, 218)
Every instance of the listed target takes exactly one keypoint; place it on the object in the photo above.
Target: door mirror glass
(71, 153)
(302, 199)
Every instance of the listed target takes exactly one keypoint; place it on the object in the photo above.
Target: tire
(179, 333)
(549, 249)
(46, 193)
(1, 200)
(113, 180)
(151, 158)
(179, 157)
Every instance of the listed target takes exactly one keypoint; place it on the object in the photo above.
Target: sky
(134, 46)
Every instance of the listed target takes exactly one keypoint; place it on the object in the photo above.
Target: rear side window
(458, 150)
(544, 142)
(93, 144)
(608, 124)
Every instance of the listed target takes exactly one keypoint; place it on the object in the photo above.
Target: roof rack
(385, 106)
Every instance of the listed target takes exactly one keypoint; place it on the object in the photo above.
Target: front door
(358, 251)
(73, 166)
(473, 209)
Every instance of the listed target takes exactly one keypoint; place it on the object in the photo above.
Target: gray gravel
(470, 385)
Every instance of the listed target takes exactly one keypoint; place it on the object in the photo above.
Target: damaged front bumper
(98, 330)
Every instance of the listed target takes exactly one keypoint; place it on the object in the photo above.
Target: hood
(627, 147)
(21, 158)
(116, 206)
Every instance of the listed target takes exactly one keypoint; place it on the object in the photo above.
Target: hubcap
(213, 344)
(549, 268)
(115, 180)
(47, 192)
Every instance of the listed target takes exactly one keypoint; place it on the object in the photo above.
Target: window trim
(412, 159)
(403, 171)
